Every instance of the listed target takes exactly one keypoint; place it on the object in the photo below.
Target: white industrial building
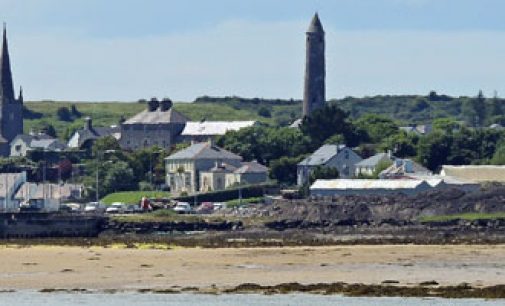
(199, 131)
(341, 187)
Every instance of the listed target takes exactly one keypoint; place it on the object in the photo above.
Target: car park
(205, 208)
(219, 206)
(116, 208)
(183, 208)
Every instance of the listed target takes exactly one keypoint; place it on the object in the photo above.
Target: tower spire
(314, 95)
(315, 25)
(6, 84)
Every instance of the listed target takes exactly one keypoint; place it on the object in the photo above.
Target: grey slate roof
(156, 117)
(41, 141)
(95, 132)
(203, 150)
(251, 167)
(372, 161)
(322, 155)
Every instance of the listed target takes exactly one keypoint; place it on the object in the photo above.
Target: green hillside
(41, 113)
(405, 109)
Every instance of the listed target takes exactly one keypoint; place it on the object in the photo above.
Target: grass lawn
(133, 197)
(467, 216)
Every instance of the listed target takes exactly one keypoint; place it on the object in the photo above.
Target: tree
(284, 169)
(264, 112)
(377, 127)
(323, 173)
(75, 112)
(119, 177)
(402, 144)
(447, 125)
(433, 150)
(474, 110)
(64, 114)
(104, 144)
(265, 144)
(499, 155)
(325, 122)
(49, 130)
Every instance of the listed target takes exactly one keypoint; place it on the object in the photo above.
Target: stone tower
(11, 109)
(315, 72)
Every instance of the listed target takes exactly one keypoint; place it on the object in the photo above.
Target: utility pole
(96, 176)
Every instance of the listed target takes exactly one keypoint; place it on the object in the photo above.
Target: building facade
(314, 95)
(339, 157)
(86, 136)
(11, 109)
(22, 144)
(223, 176)
(184, 167)
(158, 125)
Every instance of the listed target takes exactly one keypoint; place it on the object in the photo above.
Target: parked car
(183, 208)
(133, 209)
(32, 205)
(70, 207)
(116, 208)
(205, 208)
(93, 207)
(220, 206)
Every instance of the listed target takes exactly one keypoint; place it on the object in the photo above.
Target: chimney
(165, 104)
(88, 124)
(153, 104)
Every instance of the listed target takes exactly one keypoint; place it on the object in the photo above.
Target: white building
(479, 174)
(183, 168)
(340, 187)
(204, 130)
(339, 157)
(369, 165)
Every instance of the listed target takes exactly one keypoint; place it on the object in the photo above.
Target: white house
(24, 143)
(339, 157)
(369, 165)
(183, 168)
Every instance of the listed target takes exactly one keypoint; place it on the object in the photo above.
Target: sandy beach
(40, 267)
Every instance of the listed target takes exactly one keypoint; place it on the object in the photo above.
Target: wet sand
(41, 267)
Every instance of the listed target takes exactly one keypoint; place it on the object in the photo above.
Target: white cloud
(255, 59)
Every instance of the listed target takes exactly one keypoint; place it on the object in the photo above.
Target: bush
(64, 114)
(145, 186)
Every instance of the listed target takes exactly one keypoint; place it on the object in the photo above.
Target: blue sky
(128, 49)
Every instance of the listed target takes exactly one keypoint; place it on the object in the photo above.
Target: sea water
(25, 298)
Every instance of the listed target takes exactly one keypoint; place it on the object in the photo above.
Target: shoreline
(452, 271)
(428, 290)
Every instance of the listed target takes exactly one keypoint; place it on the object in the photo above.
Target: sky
(124, 50)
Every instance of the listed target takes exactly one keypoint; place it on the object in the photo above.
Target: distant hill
(406, 109)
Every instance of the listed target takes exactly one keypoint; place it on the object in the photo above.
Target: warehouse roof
(482, 173)
(343, 184)
(210, 128)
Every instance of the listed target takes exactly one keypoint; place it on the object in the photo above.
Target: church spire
(20, 97)
(6, 85)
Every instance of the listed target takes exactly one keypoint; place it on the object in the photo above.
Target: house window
(187, 180)
(18, 148)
